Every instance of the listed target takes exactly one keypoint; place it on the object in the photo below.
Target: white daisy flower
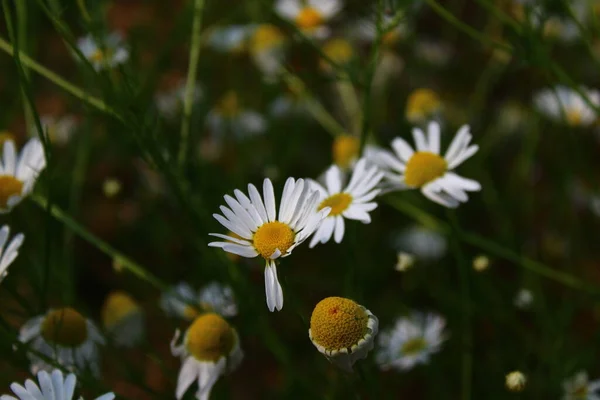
(231, 39)
(309, 16)
(266, 46)
(423, 243)
(210, 348)
(345, 150)
(123, 319)
(110, 53)
(515, 381)
(51, 387)
(59, 129)
(342, 330)
(8, 253)
(523, 299)
(64, 336)
(18, 174)
(423, 104)
(580, 388)
(170, 102)
(229, 115)
(352, 202)
(411, 341)
(184, 302)
(264, 233)
(562, 104)
(426, 169)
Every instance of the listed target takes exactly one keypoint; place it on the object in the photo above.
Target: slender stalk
(84, 12)
(190, 86)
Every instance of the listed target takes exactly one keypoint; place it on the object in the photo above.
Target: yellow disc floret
(423, 167)
(413, 346)
(573, 117)
(266, 37)
(338, 323)
(345, 150)
(272, 236)
(309, 18)
(421, 104)
(339, 202)
(338, 50)
(118, 306)
(9, 186)
(209, 338)
(64, 327)
(229, 105)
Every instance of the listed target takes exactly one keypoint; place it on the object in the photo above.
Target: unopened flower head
(426, 169)
(309, 16)
(342, 330)
(354, 201)
(516, 381)
(111, 187)
(107, 54)
(565, 105)
(405, 261)
(267, 234)
(184, 302)
(266, 46)
(339, 51)
(345, 150)
(64, 336)
(579, 387)
(229, 115)
(54, 386)
(422, 105)
(411, 341)
(18, 174)
(8, 250)
(523, 299)
(481, 263)
(123, 319)
(210, 348)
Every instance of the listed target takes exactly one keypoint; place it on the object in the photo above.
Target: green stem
(84, 12)
(190, 86)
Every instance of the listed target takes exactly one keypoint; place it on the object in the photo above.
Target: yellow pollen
(338, 323)
(421, 104)
(118, 306)
(413, 346)
(423, 167)
(229, 105)
(64, 327)
(271, 236)
(573, 117)
(9, 186)
(266, 37)
(345, 150)
(309, 18)
(209, 338)
(339, 202)
(338, 50)
(6, 136)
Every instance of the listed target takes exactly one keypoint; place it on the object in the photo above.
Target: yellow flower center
(118, 306)
(422, 103)
(229, 105)
(413, 346)
(581, 392)
(9, 186)
(209, 338)
(265, 37)
(338, 323)
(391, 38)
(190, 312)
(339, 202)
(271, 236)
(64, 327)
(573, 117)
(338, 50)
(6, 136)
(309, 18)
(97, 56)
(345, 150)
(423, 167)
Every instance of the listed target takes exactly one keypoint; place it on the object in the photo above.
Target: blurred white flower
(579, 387)
(123, 319)
(310, 16)
(516, 381)
(10, 251)
(423, 243)
(170, 102)
(405, 261)
(231, 39)
(523, 299)
(110, 53)
(59, 129)
(563, 104)
(228, 114)
(183, 301)
(433, 52)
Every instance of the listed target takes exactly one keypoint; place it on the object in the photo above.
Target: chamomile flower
(264, 233)
(18, 174)
(210, 348)
(411, 341)
(59, 129)
(123, 319)
(345, 150)
(342, 330)
(580, 388)
(404, 262)
(108, 54)
(422, 105)
(64, 336)
(339, 51)
(50, 387)
(184, 302)
(515, 381)
(563, 104)
(309, 16)
(170, 102)
(229, 115)
(266, 45)
(352, 202)
(10, 251)
(426, 169)
(423, 243)
(366, 30)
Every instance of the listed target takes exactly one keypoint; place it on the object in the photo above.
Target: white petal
(34, 390)
(257, 202)
(4, 232)
(333, 179)
(237, 229)
(9, 158)
(46, 385)
(433, 131)
(288, 188)
(244, 251)
(231, 239)
(247, 204)
(420, 141)
(463, 156)
(187, 375)
(439, 198)
(402, 149)
(294, 201)
(357, 212)
(339, 229)
(270, 291)
(59, 384)
(460, 141)
(269, 196)
(241, 213)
